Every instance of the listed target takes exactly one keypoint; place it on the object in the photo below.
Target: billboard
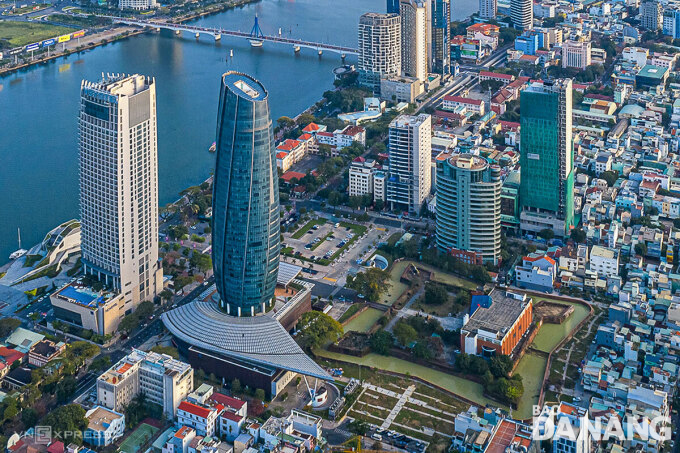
(48, 42)
(64, 38)
(78, 34)
(32, 47)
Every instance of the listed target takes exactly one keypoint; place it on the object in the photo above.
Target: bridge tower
(256, 34)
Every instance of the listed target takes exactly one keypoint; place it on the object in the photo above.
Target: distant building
(104, 426)
(441, 34)
(671, 23)
(415, 38)
(163, 380)
(119, 186)
(379, 48)
(469, 206)
(392, 6)
(522, 14)
(546, 158)
(139, 5)
(651, 16)
(488, 9)
(576, 54)
(410, 151)
(498, 327)
(651, 76)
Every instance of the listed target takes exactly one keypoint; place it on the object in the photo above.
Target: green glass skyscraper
(245, 199)
(547, 158)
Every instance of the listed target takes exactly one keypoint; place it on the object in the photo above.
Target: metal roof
(287, 273)
(259, 339)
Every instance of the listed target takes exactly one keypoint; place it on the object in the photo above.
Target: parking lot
(320, 241)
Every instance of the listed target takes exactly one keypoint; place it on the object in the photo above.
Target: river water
(38, 107)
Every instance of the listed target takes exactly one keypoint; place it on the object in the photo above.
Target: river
(38, 106)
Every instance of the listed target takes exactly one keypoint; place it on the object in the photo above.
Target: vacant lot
(17, 34)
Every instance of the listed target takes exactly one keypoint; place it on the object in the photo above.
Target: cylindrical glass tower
(245, 246)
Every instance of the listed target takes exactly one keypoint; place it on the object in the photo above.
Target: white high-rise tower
(119, 185)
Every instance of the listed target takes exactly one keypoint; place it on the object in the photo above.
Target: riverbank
(117, 33)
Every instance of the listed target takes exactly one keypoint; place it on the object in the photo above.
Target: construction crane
(353, 445)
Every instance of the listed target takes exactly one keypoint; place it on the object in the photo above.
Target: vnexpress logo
(42, 434)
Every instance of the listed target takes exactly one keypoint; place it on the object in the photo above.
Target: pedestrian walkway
(397, 407)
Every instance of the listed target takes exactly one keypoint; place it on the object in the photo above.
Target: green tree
(317, 329)
(404, 333)
(641, 249)
(201, 261)
(500, 366)
(236, 386)
(610, 177)
(66, 387)
(29, 417)
(435, 294)
(68, 421)
(8, 325)
(578, 235)
(381, 342)
(421, 350)
(259, 394)
(101, 363)
(285, 122)
(372, 283)
(354, 202)
(547, 233)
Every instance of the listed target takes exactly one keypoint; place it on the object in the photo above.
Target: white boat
(255, 42)
(18, 254)
(231, 53)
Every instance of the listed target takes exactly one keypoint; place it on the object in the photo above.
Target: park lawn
(306, 227)
(454, 384)
(19, 34)
(364, 321)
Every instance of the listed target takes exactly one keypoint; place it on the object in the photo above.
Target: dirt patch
(551, 312)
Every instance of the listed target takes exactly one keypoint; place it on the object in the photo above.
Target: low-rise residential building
(474, 105)
(604, 261)
(537, 272)
(44, 352)
(104, 426)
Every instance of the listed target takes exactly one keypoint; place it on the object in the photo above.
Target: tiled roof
(194, 409)
(227, 400)
(463, 100)
(259, 339)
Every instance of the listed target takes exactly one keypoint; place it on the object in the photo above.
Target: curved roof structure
(259, 339)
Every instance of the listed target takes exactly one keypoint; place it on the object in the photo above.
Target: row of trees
(494, 374)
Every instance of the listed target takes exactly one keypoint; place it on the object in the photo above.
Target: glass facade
(547, 152)
(245, 199)
(441, 30)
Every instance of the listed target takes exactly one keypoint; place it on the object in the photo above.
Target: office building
(415, 38)
(392, 7)
(441, 33)
(410, 151)
(119, 186)
(469, 206)
(139, 5)
(488, 9)
(651, 15)
(246, 232)
(547, 158)
(522, 14)
(163, 381)
(379, 48)
(576, 54)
